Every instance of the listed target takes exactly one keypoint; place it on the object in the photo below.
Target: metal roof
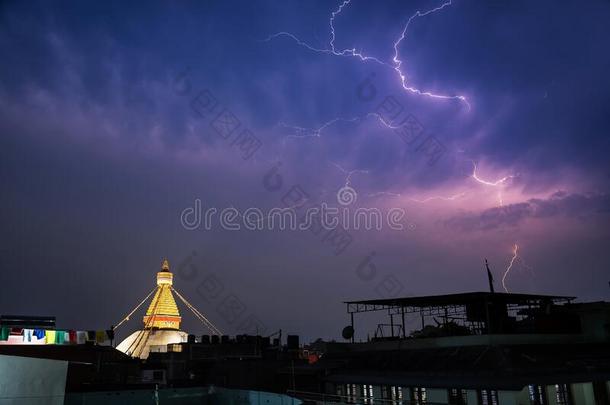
(462, 299)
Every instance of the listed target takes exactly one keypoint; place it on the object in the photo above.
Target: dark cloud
(558, 205)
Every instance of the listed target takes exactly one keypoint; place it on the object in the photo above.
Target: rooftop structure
(473, 313)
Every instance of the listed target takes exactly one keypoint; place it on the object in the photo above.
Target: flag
(27, 335)
(81, 337)
(49, 336)
(4, 333)
(100, 336)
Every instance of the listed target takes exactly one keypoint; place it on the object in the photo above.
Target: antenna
(490, 277)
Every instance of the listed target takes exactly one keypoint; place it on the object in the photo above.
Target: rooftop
(463, 299)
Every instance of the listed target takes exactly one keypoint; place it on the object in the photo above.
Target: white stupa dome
(151, 340)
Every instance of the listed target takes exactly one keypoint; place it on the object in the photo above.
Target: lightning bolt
(496, 183)
(526, 266)
(428, 199)
(388, 193)
(396, 64)
(510, 265)
(420, 201)
(348, 173)
(515, 258)
(303, 132)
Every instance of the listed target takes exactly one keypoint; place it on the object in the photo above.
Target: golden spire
(163, 312)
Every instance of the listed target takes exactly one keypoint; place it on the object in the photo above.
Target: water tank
(292, 342)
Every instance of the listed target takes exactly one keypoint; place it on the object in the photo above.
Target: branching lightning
(496, 183)
(510, 266)
(348, 173)
(515, 258)
(417, 200)
(302, 132)
(486, 182)
(396, 63)
(441, 198)
(388, 193)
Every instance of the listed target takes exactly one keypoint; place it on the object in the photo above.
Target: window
(562, 394)
(395, 395)
(458, 396)
(351, 393)
(367, 394)
(537, 394)
(340, 391)
(418, 395)
(488, 397)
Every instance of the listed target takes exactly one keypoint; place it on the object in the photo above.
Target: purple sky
(103, 145)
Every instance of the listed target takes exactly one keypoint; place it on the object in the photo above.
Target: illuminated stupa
(163, 312)
(161, 322)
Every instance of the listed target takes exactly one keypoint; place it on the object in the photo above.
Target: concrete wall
(29, 381)
(240, 397)
(437, 395)
(508, 397)
(582, 394)
(472, 396)
(523, 397)
(180, 396)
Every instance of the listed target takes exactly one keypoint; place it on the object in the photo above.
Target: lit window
(418, 395)
(174, 348)
(458, 396)
(562, 394)
(367, 393)
(537, 394)
(351, 393)
(396, 395)
(489, 397)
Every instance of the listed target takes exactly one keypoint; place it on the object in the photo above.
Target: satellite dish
(348, 332)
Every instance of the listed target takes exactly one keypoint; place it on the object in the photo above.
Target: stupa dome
(157, 340)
